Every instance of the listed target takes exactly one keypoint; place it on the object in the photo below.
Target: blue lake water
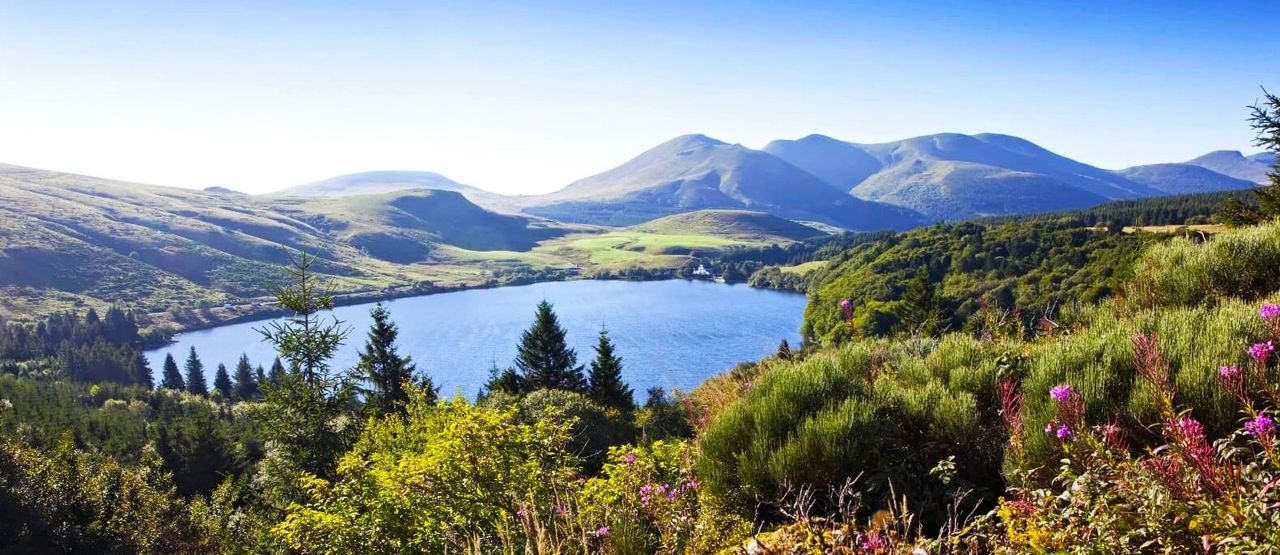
(671, 334)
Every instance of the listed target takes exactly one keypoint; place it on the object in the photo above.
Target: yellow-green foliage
(1243, 264)
(452, 477)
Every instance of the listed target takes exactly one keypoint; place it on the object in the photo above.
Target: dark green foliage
(544, 358)
(387, 373)
(607, 388)
(222, 382)
(662, 418)
(91, 349)
(506, 381)
(594, 429)
(1265, 119)
(1034, 266)
(61, 500)
(195, 374)
(277, 371)
(246, 386)
(172, 377)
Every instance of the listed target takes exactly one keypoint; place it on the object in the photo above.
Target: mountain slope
(377, 182)
(952, 176)
(740, 224)
(1182, 179)
(694, 172)
(1235, 164)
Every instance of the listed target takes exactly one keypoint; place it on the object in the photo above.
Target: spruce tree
(171, 377)
(195, 374)
(383, 368)
(222, 382)
(246, 388)
(607, 387)
(277, 372)
(1265, 120)
(919, 308)
(261, 376)
(544, 358)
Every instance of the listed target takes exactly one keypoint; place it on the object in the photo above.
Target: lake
(671, 334)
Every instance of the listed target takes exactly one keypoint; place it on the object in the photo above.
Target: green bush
(882, 413)
(1241, 264)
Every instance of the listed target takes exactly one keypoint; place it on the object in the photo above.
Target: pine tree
(607, 387)
(261, 377)
(544, 358)
(1265, 120)
(222, 382)
(919, 308)
(246, 388)
(384, 369)
(277, 371)
(195, 375)
(171, 377)
(501, 380)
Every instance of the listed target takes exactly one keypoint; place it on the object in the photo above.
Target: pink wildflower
(1269, 311)
(1261, 425)
(601, 532)
(629, 459)
(1060, 393)
(1064, 432)
(1260, 351)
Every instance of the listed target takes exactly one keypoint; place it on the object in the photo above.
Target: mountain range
(856, 186)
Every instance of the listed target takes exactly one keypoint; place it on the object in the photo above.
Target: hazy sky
(526, 97)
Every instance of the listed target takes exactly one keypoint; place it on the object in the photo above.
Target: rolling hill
(695, 172)
(376, 182)
(67, 240)
(1235, 164)
(1183, 179)
(741, 224)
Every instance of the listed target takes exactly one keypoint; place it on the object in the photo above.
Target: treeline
(88, 348)
(1200, 208)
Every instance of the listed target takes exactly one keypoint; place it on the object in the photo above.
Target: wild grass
(1243, 264)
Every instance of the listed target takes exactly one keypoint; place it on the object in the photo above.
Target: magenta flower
(1063, 432)
(601, 532)
(1189, 427)
(1260, 351)
(1269, 311)
(1048, 428)
(1229, 372)
(629, 459)
(522, 513)
(1060, 393)
(1260, 425)
(846, 305)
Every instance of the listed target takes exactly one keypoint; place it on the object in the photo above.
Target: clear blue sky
(526, 97)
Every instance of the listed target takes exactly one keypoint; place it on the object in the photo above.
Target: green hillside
(741, 224)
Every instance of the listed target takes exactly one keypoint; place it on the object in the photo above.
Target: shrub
(1240, 264)
(450, 477)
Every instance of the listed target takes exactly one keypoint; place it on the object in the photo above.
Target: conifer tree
(607, 387)
(171, 377)
(195, 375)
(784, 350)
(1265, 120)
(384, 369)
(920, 309)
(222, 382)
(277, 371)
(544, 358)
(501, 380)
(246, 387)
(261, 377)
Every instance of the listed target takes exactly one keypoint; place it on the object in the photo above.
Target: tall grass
(1242, 264)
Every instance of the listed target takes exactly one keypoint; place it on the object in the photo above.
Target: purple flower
(1189, 427)
(522, 512)
(845, 305)
(1260, 351)
(1063, 432)
(1048, 428)
(629, 459)
(1260, 425)
(1060, 392)
(1229, 372)
(1269, 311)
(601, 532)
